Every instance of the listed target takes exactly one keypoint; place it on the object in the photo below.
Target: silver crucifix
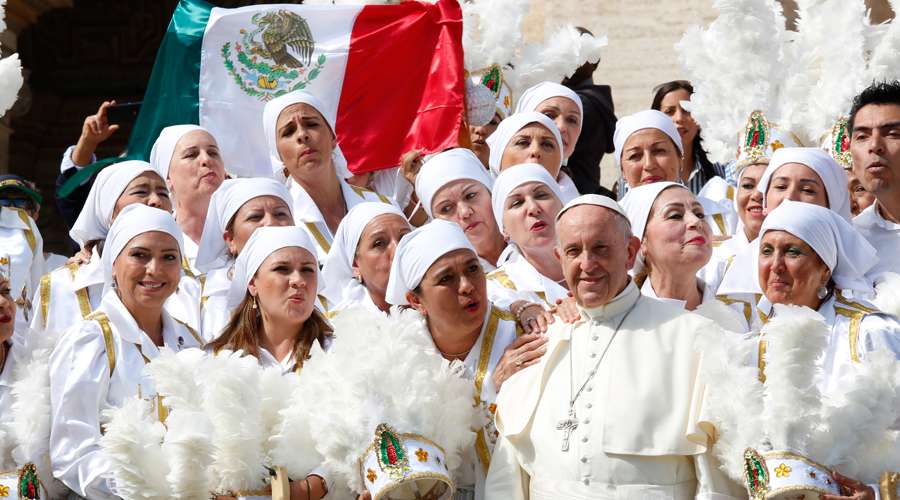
(567, 426)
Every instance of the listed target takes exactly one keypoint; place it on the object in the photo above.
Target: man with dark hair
(875, 147)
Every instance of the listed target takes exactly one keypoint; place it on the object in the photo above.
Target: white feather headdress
(385, 370)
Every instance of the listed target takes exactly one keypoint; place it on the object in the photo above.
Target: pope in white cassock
(612, 409)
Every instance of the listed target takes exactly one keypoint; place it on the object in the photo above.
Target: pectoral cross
(567, 426)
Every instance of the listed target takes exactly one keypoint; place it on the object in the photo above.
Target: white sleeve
(503, 297)
(880, 332)
(505, 478)
(79, 381)
(712, 483)
(67, 162)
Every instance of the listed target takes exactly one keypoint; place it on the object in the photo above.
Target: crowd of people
(585, 327)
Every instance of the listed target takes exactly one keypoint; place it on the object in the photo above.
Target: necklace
(450, 354)
(569, 424)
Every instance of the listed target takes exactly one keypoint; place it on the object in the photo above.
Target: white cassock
(498, 331)
(97, 364)
(21, 260)
(517, 279)
(638, 433)
(308, 216)
(883, 235)
(857, 328)
(70, 293)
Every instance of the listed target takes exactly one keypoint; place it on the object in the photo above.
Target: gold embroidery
(503, 279)
(45, 300)
(190, 330)
(84, 302)
(761, 361)
(720, 222)
(73, 269)
(748, 308)
(29, 234)
(103, 321)
(729, 193)
(484, 359)
(855, 319)
(888, 485)
(857, 305)
(319, 237)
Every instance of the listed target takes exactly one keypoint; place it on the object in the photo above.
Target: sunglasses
(22, 203)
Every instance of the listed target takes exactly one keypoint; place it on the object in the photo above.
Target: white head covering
(832, 175)
(446, 167)
(270, 119)
(417, 251)
(338, 268)
(164, 147)
(637, 204)
(135, 220)
(508, 128)
(262, 243)
(596, 200)
(536, 94)
(649, 118)
(225, 202)
(515, 176)
(838, 244)
(96, 215)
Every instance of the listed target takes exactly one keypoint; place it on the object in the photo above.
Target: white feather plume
(10, 81)
(132, 443)
(232, 404)
(557, 56)
(884, 62)
(735, 65)
(386, 370)
(831, 51)
(487, 41)
(887, 293)
(292, 442)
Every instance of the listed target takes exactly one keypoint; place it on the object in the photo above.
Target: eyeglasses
(23, 203)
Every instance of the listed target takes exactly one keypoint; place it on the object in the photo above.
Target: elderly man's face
(595, 252)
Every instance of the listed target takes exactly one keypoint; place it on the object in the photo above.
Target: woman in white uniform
(530, 137)
(304, 150)
(357, 267)
(525, 203)
(99, 362)
(453, 186)
(70, 293)
(676, 242)
(236, 209)
(445, 283)
(275, 319)
(810, 256)
(562, 105)
(188, 159)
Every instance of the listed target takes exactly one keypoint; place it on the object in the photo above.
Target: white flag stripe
(234, 49)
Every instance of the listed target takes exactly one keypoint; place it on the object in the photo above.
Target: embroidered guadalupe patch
(392, 456)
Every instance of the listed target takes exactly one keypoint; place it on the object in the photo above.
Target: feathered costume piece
(225, 425)
(781, 435)
(10, 72)
(398, 416)
(557, 56)
(736, 66)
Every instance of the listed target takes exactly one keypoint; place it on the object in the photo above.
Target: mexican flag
(392, 73)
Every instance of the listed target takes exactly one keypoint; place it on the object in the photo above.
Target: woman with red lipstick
(453, 186)
(525, 203)
(99, 362)
(359, 263)
(810, 256)
(530, 137)
(236, 209)
(188, 159)
(445, 283)
(676, 242)
(304, 150)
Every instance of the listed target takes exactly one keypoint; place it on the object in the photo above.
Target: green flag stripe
(172, 96)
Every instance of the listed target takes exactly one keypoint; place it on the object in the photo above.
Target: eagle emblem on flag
(274, 57)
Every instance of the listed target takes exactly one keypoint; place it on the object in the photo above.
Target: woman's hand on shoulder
(522, 353)
(566, 309)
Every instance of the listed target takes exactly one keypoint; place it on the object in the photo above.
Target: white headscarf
(649, 118)
(832, 175)
(417, 251)
(96, 215)
(499, 140)
(515, 176)
(846, 252)
(596, 200)
(262, 243)
(536, 94)
(338, 268)
(270, 120)
(135, 220)
(225, 202)
(164, 147)
(637, 204)
(445, 167)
